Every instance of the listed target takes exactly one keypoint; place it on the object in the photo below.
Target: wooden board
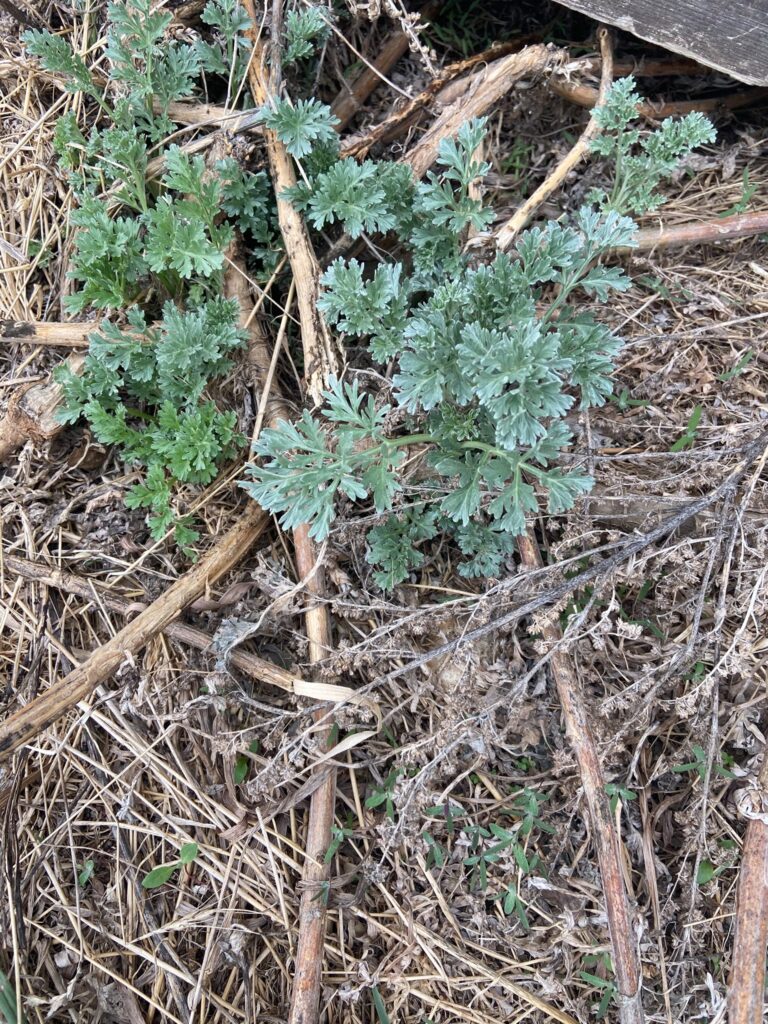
(730, 35)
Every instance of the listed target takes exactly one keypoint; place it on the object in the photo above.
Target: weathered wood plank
(730, 35)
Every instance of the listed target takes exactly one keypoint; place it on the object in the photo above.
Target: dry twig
(251, 664)
(31, 413)
(485, 89)
(621, 928)
(26, 723)
(320, 356)
(587, 96)
(508, 232)
(720, 229)
(46, 333)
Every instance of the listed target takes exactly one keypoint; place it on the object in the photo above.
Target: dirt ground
(446, 752)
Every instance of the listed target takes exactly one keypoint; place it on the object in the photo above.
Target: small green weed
(654, 284)
(339, 835)
(512, 905)
(739, 367)
(687, 439)
(242, 766)
(379, 1006)
(699, 764)
(748, 190)
(517, 159)
(9, 1002)
(164, 872)
(384, 794)
(617, 792)
(622, 401)
(462, 27)
(85, 874)
(603, 984)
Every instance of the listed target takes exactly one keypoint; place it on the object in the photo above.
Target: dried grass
(148, 764)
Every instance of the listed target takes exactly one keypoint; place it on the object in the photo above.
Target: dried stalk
(320, 357)
(746, 993)
(508, 232)
(23, 725)
(626, 963)
(252, 665)
(319, 361)
(485, 89)
(55, 334)
(208, 115)
(31, 413)
(721, 229)
(587, 96)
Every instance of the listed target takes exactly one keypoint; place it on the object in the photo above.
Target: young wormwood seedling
(150, 254)
(486, 362)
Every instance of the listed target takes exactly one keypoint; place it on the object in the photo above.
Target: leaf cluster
(154, 255)
(488, 361)
(642, 162)
(304, 30)
(144, 388)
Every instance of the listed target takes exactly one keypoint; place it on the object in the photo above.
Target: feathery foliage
(488, 361)
(152, 258)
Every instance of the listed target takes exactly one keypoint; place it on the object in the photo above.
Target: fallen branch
(31, 413)
(588, 96)
(746, 991)
(721, 229)
(55, 333)
(41, 712)
(352, 97)
(507, 233)
(487, 87)
(626, 963)
(319, 362)
(253, 666)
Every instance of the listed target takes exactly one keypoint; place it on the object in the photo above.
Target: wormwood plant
(481, 364)
(149, 253)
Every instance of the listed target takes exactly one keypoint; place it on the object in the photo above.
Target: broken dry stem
(42, 711)
(509, 231)
(486, 88)
(621, 927)
(320, 362)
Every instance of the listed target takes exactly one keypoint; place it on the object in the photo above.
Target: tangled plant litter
(423, 489)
